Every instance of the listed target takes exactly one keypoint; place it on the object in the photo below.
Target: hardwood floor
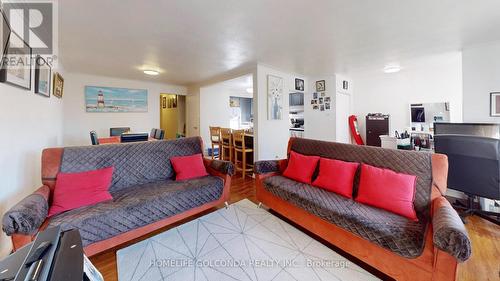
(483, 265)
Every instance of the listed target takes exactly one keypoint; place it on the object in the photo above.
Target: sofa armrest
(269, 166)
(223, 167)
(27, 216)
(449, 233)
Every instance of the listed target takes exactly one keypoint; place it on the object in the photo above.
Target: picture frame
(299, 84)
(495, 104)
(58, 85)
(99, 99)
(320, 86)
(345, 85)
(174, 101)
(320, 100)
(327, 106)
(4, 35)
(43, 73)
(315, 95)
(327, 99)
(275, 90)
(18, 75)
(164, 102)
(322, 107)
(315, 107)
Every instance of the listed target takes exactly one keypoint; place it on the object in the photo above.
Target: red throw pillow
(75, 190)
(301, 167)
(387, 190)
(188, 167)
(336, 176)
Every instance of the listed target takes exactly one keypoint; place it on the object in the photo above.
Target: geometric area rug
(242, 242)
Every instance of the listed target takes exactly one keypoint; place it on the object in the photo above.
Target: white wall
(430, 79)
(215, 109)
(318, 124)
(29, 123)
(481, 76)
(78, 123)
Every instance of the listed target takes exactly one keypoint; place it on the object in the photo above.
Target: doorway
(173, 115)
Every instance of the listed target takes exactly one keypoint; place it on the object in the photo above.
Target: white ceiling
(195, 40)
(236, 86)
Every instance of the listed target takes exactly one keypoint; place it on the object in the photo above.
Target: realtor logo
(33, 23)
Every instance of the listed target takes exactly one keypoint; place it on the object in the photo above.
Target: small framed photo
(42, 77)
(315, 95)
(323, 94)
(315, 107)
(314, 102)
(327, 99)
(320, 86)
(345, 85)
(57, 85)
(164, 102)
(322, 107)
(495, 104)
(299, 84)
(327, 106)
(320, 100)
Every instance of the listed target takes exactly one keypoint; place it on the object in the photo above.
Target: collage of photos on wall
(320, 101)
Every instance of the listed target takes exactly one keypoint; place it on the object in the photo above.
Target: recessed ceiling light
(392, 68)
(151, 72)
(250, 90)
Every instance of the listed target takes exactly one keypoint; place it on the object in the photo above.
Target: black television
(417, 115)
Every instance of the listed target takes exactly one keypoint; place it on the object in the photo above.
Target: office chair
(474, 168)
(93, 138)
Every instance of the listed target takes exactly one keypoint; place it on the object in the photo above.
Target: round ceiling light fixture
(151, 72)
(392, 68)
(250, 90)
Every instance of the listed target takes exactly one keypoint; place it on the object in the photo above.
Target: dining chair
(215, 139)
(93, 138)
(160, 134)
(241, 147)
(118, 131)
(152, 134)
(226, 136)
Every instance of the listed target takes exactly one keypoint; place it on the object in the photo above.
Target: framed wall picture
(495, 104)
(163, 102)
(18, 71)
(4, 34)
(275, 88)
(58, 85)
(320, 86)
(111, 99)
(299, 84)
(42, 77)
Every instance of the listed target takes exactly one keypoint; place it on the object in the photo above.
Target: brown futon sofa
(145, 195)
(398, 247)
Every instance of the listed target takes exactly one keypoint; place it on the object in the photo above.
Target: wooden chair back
(239, 139)
(214, 134)
(226, 136)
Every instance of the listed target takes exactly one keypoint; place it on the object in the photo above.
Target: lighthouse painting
(107, 99)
